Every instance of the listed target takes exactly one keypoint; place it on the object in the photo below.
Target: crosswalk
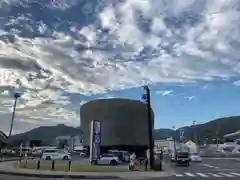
(208, 174)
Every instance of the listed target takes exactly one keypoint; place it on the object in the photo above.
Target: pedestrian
(132, 162)
(147, 157)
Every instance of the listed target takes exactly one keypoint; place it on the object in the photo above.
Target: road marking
(227, 175)
(190, 174)
(179, 175)
(201, 174)
(236, 174)
(210, 166)
(215, 175)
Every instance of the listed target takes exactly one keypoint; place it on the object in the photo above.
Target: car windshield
(195, 154)
(183, 154)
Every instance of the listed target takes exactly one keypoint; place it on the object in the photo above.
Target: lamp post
(174, 142)
(146, 97)
(195, 131)
(16, 96)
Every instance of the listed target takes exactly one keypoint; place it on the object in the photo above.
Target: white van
(52, 154)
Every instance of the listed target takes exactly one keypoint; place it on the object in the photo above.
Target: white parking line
(236, 174)
(214, 175)
(210, 166)
(179, 175)
(227, 175)
(190, 174)
(201, 174)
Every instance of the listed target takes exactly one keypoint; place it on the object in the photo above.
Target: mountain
(163, 133)
(47, 134)
(210, 130)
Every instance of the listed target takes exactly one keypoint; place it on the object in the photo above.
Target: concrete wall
(124, 121)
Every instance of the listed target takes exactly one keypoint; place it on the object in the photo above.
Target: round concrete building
(124, 123)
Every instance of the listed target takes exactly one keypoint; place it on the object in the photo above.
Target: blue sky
(180, 104)
(74, 51)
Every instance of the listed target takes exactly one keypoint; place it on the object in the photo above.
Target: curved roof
(116, 100)
(3, 137)
(237, 133)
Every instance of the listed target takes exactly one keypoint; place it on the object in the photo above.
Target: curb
(72, 176)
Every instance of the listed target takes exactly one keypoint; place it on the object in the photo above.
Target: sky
(60, 54)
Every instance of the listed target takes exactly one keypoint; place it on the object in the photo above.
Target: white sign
(95, 140)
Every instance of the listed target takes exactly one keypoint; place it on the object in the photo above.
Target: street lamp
(195, 131)
(146, 97)
(16, 96)
(174, 141)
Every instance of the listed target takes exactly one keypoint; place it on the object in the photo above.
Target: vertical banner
(95, 140)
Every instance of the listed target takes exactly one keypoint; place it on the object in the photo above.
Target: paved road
(209, 168)
(163, 178)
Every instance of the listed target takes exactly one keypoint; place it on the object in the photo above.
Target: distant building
(161, 144)
(68, 141)
(63, 141)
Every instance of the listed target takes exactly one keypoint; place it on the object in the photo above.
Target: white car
(53, 154)
(108, 159)
(195, 157)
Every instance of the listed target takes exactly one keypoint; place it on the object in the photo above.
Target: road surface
(209, 168)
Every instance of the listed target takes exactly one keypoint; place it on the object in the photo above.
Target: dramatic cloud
(74, 47)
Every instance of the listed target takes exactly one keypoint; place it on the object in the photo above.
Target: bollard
(38, 164)
(18, 162)
(53, 165)
(69, 165)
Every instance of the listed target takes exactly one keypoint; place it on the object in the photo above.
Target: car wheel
(113, 162)
(65, 158)
(48, 158)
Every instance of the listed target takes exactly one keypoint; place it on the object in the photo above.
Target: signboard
(95, 140)
(181, 134)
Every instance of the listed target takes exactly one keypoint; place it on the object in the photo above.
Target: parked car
(108, 159)
(182, 158)
(195, 157)
(50, 154)
(123, 156)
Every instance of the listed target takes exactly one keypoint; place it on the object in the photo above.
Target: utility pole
(150, 127)
(217, 136)
(16, 96)
(195, 132)
(174, 142)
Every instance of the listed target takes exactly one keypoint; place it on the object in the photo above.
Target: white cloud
(112, 46)
(165, 93)
(190, 97)
(83, 102)
(236, 83)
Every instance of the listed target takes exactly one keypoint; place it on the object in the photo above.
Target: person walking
(132, 162)
(147, 158)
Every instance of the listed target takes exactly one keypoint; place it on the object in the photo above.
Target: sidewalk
(7, 168)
